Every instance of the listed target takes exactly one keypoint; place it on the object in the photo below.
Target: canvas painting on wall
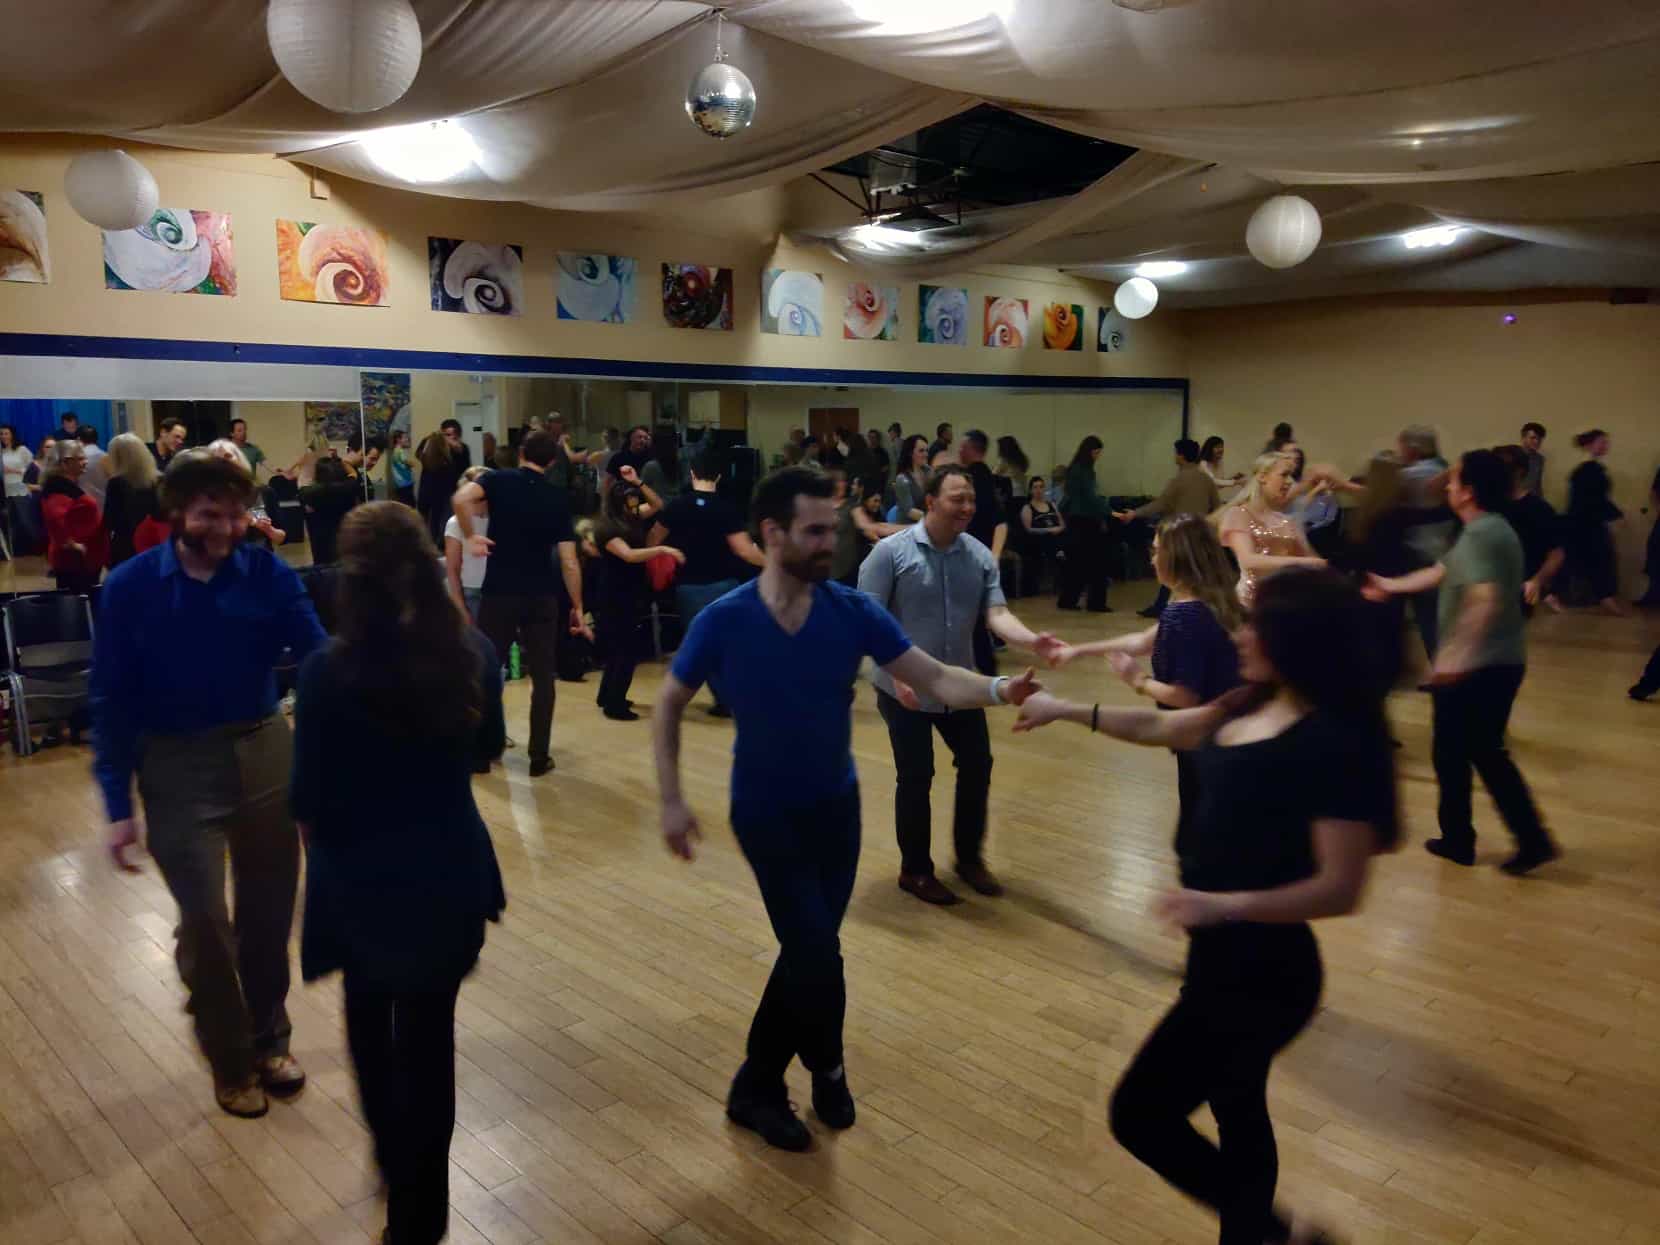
(871, 313)
(792, 303)
(476, 277)
(385, 403)
(597, 288)
(177, 251)
(696, 297)
(1063, 327)
(942, 317)
(1111, 331)
(24, 255)
(332, 264)
(1005, 322)
(330, 423)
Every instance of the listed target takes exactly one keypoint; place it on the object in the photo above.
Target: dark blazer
(400, 872)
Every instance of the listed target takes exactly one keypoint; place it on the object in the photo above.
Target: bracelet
(1095, 720)
(997, 689)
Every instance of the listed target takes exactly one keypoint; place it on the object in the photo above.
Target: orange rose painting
(1063, 327)
(1006, 323)
(332, 264)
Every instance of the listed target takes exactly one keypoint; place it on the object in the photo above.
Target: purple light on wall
(1510, 317)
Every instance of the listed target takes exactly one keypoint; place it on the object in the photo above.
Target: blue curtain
(34, 418)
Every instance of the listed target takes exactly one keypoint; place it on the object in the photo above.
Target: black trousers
(1651, 564)
(912, 735)
(1471, 717)
(1650, 682)
(1250, 990)
(534, 622)
(1187, 797)
(1085, 570)
(804, 860)
(616, 621)
(1592, 566)
(403, 1051)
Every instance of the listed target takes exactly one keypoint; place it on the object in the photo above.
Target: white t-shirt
(16, 462)
(472, 566)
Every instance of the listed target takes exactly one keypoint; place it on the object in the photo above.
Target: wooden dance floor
(1485, 1069)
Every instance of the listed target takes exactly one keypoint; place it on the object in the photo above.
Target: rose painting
(1063, 327)
(177, 251)
(943, 318)
(1110, 332)
(695, 297)
(476, 278)
(792, 303)
(332, 264)
(871, 313)
(23, 252)
(598, 288)
(1006, 323)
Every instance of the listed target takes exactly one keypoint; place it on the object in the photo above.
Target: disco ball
(721, 100)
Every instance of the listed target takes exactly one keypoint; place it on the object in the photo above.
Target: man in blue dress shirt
(786, 649)
(184, 698)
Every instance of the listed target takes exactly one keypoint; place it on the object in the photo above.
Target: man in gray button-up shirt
(938, 581)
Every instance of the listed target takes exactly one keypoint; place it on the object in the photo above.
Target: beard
(811, 568)
(202, 546)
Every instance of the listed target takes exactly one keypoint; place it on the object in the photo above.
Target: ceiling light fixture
(431, 151)
(1160, 268)
(1435, 235)
(927, 17)
(1140, 6)
(874, 237)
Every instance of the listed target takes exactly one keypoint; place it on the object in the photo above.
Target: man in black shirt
(942, 442)
(636, 454)
(989, 526)
(1537, 527)
(709, 530)
(528, 521)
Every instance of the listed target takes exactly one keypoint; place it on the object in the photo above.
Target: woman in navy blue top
(398, 888)
(1193, 655)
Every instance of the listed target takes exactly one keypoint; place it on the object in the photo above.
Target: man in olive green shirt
(1479, 666)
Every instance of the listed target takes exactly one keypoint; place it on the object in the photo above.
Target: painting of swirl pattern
(1005, 323)
(476, 278)
(942, 315)
(1063, 326)
(177, 251)
(23, 252)
(596, 288)
(697, 297)
(332, 264)
(792, 303)
(871, 313)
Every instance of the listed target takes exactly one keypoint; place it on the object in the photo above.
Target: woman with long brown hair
(398, 888)
(441, 470)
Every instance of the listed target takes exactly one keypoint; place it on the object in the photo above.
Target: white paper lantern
(1135, 298)
(111, 190)
(347, 55)
(1283, 232)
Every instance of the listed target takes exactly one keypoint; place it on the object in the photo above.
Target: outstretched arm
(680, 830)
(955, 687)
(1153, 728)
(1000, 621)
(1136, 644)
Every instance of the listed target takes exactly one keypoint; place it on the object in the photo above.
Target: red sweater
(73, 518)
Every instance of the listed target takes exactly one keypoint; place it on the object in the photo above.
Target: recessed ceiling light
(927, 17)
(432, 151)
(1435, 235)
(1140, 6)
(1157, 268)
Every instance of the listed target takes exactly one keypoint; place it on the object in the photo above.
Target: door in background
(823, 420)
(477, 418)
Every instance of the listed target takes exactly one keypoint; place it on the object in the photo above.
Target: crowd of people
(1271, 650)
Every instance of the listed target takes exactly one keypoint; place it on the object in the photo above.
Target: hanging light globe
(111, 190)
(1283, 231)
(347, 55)
(1135, 298)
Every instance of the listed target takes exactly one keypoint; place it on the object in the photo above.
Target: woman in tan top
(1263, 537)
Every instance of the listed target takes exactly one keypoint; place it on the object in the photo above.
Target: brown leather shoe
(981, 879)
(281, 1075)
(246, 1102)
(928, 888)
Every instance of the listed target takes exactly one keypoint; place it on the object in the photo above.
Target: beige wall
(1349, 376)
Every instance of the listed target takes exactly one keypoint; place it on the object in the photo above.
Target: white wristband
(997, 689)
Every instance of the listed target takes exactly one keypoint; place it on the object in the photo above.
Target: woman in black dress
(1591, 510)
(129, 495)
(398, 887)
(1296, 794)
(620, 538)
(326, 504)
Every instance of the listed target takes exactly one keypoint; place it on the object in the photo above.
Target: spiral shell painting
(792, 303)
(942, 319)
(696, 297)
(23, 252)
(475, 277)
(1005, 322)
(332, 264)
(1111, 335)
(598, 288)
(871, 313)
(1063, 327)
(177, 251)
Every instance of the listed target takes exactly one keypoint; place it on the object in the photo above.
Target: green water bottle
(513, 661)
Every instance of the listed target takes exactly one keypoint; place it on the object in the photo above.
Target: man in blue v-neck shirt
(184, 698)
(786, 650)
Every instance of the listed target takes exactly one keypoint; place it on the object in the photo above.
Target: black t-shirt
(528, 521)
(1537, 527)
(1258, 802)
(326, 505)
(988, 509)
(698, 525)
(636, 459)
